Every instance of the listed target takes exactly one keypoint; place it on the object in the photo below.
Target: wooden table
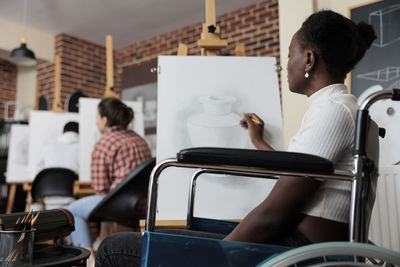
(82, 189)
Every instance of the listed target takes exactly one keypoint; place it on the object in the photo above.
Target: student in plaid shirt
(118, 152)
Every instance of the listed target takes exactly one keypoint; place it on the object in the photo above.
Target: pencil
(255, 120)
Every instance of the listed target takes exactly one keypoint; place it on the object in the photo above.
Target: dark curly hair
(339, 41)
(116, 112)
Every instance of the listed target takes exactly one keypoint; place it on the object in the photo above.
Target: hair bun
(367, 33)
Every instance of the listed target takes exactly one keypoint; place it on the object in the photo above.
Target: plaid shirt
(117, 153)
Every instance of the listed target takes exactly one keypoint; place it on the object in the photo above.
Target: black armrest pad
(274, 160)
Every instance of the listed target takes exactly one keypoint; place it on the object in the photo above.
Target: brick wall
(8, 85)
(83, 63)
(46, 79)
(83, 68)
(256, 26)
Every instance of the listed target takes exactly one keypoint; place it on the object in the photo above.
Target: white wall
(26, 89)
(291, 14)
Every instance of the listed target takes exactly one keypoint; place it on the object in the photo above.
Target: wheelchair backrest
(371, 173)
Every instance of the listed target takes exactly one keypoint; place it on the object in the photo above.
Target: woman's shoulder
(345, 104)
(334, 111)
(335, 100)
(109, 137)
(125, 137)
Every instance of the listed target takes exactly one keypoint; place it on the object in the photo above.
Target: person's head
(329, 45)
(112, 112)
(71, 126)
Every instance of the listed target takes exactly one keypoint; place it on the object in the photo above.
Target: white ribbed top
(327, 130)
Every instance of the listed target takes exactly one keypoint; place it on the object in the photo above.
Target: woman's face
(296, 66)
(101, 123)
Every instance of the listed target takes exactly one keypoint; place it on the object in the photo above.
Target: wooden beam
(82, 189)
(182, 50)
(57, 106)
(240, 50)
(11, 197)
(110, 69)
(109, 61)
(37, 94)
(210, 13)
(212, 43)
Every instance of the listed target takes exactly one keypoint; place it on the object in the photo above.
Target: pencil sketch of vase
(217, 126)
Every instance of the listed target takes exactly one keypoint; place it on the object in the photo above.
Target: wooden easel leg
(182, 50)
(11, 197)
(211, 52)
(240, 50)
(28, 201)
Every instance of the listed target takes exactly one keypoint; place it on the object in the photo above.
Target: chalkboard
(380, 69)
(381, 63)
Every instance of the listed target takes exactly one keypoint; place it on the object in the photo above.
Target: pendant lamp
(22, 56)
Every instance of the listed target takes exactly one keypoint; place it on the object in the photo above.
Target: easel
(210, 44)
(85, 188)
(80, 188)
(13, 186)
(37, 95)
(210, 41)
(56, 107)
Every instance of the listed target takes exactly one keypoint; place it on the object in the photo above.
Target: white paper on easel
(17, 160)
(89, 134)
(198, 98)
(44, 126)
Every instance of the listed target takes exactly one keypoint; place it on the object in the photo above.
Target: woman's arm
(277, 213)
(255, 131)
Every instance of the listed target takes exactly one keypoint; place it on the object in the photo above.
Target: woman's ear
(310, 58)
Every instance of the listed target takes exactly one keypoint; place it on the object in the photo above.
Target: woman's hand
(255, 126)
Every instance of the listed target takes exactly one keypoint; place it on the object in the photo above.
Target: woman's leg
(81, 210)
(120, 249)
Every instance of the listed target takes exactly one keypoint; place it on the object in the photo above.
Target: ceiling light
(22, 56)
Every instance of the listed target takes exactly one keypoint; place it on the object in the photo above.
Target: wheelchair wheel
(335, 254)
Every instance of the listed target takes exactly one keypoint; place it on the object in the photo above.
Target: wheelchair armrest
(274, 160)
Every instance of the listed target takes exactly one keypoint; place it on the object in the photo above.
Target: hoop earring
(306, 75)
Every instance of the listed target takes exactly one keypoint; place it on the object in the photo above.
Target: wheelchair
(165, 249)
